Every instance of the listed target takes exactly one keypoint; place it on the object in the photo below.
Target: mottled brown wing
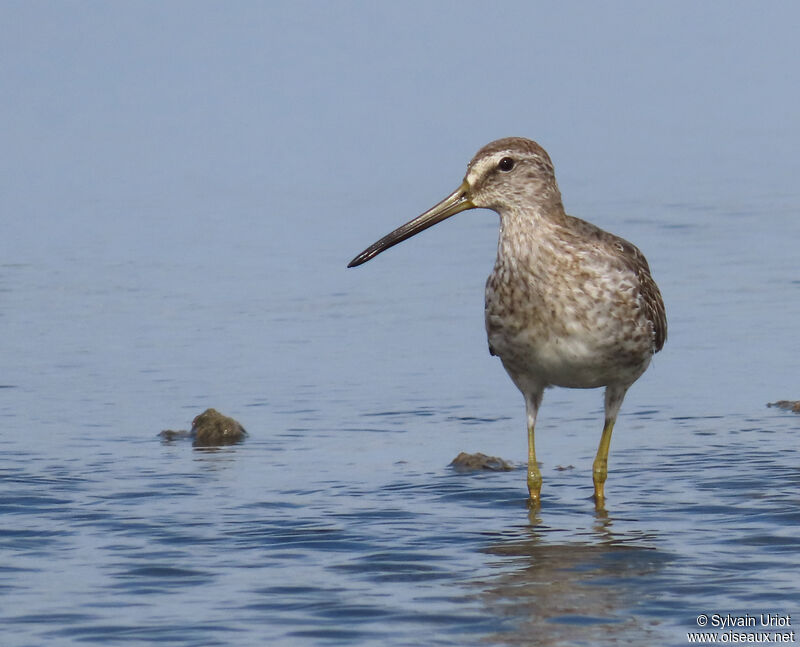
(630, 255)
(651, 295)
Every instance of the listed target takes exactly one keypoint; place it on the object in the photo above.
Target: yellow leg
(533, 399)
(600, 465)
(534, 475)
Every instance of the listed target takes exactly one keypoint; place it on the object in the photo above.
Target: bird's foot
(599, 502)
(534, 487)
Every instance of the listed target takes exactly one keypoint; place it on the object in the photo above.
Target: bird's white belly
(585, 352)
(567, 362)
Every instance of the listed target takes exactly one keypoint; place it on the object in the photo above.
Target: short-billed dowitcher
(567, 303)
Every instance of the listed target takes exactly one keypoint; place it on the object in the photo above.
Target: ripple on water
(402, 555)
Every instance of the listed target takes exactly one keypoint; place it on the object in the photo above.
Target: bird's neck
(529, 233)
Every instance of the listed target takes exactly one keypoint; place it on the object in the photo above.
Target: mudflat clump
(212, 428)
(473, 462)
(789, 405)
(175, 434)
(209, 429)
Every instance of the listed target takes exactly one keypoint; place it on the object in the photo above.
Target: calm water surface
(182, 186)
(339, 521)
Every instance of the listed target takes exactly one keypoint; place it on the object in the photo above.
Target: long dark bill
(456, 202)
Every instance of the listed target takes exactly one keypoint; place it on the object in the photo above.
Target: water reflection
(571, 591)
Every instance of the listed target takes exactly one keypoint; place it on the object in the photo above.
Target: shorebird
(567, 303)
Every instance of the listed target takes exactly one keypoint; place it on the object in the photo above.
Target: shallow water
(168, 248)
(338, 520)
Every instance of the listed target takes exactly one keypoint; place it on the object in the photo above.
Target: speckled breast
(578, 329)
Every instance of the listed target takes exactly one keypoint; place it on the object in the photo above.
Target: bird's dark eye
(505, 164)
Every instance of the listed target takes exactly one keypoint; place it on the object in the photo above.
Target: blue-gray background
(183, 183)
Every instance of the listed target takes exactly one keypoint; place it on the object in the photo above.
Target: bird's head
(509, 175)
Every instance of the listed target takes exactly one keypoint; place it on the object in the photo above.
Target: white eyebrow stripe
(481, 167)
